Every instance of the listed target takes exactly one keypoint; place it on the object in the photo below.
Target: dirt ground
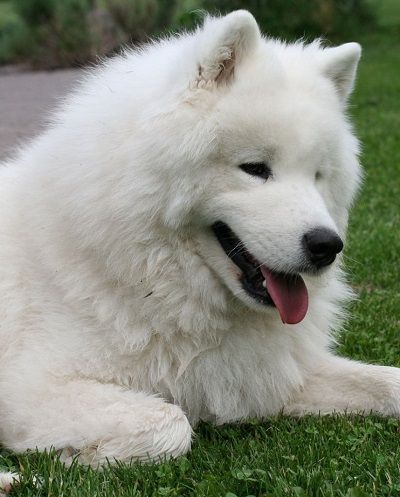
(26, 98)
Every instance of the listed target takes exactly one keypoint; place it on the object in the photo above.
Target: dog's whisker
(236, 249)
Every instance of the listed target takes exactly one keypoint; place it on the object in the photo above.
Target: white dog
(168, 245)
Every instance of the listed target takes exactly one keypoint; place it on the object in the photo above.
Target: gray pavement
(25, 100)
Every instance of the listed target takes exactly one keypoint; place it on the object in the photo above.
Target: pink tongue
(289, 294)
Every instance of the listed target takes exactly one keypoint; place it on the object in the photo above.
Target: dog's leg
(95, 422)
(342, 385)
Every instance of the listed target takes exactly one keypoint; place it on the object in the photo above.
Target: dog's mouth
(286, 292)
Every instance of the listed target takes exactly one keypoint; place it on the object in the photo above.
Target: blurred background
(49, 34)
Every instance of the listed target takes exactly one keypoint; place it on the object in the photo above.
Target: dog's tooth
(264, 284)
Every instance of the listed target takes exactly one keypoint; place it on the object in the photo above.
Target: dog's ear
(340, 65)
(222, 44)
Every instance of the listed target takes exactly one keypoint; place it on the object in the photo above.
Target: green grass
(388, 12)
(330, 456)
(374, 236)
(334, 456)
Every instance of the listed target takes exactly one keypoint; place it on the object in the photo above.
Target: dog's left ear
(222, 44)
(340, 65)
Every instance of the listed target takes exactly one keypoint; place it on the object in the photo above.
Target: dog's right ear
(222, 44)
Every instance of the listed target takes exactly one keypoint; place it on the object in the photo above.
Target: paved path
(25, 100)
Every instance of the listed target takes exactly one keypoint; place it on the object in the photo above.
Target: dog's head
(277, 167)
(223, 138)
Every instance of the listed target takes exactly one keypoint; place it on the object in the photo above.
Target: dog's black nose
(322, 245)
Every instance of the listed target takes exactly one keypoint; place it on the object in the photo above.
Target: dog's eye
(259, 169)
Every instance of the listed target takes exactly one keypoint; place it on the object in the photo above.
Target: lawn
(330, 456)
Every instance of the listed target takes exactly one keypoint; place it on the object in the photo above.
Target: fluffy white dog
(168, 246)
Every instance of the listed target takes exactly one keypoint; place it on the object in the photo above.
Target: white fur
(116, 300)
(7, 479)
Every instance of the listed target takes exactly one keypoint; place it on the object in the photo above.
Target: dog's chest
(247, 374)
